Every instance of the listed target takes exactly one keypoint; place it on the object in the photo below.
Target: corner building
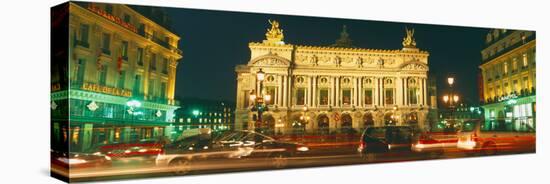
(122, 71)
(509, 80)
(332, 89)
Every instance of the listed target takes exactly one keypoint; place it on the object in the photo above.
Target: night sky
(214, 42)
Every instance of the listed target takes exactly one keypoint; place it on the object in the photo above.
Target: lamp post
(452, 98)
(260, 98)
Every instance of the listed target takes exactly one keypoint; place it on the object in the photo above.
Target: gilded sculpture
(275, 34)
(408, 41)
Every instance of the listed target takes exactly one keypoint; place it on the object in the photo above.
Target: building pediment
(414, 65)
(270, 60)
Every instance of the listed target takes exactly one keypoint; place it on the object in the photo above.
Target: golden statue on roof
(275, 34)
(408, 41)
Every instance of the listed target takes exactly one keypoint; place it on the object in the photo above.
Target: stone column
(354, 92)
(337, 96)
(314, 92)
(376, 89)
(360, 92)
(280, 91)
(309, 89)
(406, 87)
(285, 91)
(400, 92)
(332, 91)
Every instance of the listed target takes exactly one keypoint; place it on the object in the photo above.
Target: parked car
(377, 140)
(231, 145)
(489, 140)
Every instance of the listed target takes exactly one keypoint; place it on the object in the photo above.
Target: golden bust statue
(275, 34)
(408, 41)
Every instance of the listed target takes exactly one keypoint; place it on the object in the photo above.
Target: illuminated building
(509, 80)
(201, 113)
(337, 88)
(121, 76)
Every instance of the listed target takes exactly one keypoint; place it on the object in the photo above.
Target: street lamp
(451, 80)
(260, 99)
(452, 98)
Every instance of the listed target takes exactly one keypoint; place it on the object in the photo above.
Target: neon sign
(507, 97)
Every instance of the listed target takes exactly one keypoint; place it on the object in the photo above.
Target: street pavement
(136, 168)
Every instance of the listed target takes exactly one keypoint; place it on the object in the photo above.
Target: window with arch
(324, 80)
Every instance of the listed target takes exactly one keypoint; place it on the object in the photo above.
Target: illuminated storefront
(511, 114)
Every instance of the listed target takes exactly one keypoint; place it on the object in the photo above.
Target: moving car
(146, 149)
(388, 139)
(434, 143)
(489, 141)
(231, 145)
(80, 160)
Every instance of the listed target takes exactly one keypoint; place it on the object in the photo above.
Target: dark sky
(214, 42)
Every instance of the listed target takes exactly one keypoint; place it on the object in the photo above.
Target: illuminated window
(300, 96)
(84, 31)
(121, 79)
(525, 62)
(106, 41)
(271, 92)
(389, 96)
(323, 97)
(125, 50)
(153, 65)
(346, 96)
(413, 95)
(109, 8)
(140, 56)
(505, 68)
(103, 75)
(127, 18)
(368, 97)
